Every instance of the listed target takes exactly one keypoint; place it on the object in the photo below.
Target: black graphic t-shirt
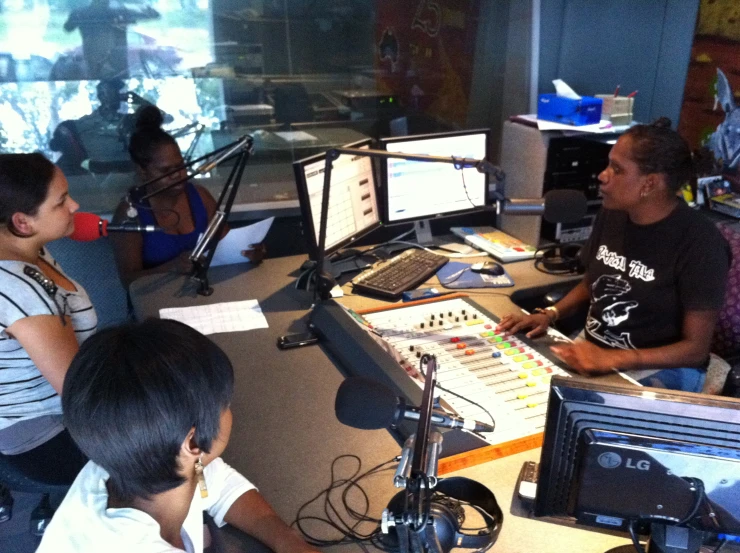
(643, 278)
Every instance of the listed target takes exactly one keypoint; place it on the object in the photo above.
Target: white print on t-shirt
(618, 312)
(615, 261)
(638, 270)
(611, 259)
(605, 290)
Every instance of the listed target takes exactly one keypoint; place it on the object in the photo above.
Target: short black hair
(656, 148)
(148, 136)
(132, 394)
(24, 184)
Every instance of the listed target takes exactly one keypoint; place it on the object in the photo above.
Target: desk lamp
(202, 254)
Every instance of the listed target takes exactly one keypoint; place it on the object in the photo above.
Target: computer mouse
(488, 268)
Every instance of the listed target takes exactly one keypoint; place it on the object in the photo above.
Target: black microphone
(557, 206)
(369, 405)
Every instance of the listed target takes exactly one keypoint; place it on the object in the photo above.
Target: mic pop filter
(88, 227)
(364, 403)
(564, 206)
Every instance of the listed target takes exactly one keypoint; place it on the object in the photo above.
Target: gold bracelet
(554, 310)
(550, 312)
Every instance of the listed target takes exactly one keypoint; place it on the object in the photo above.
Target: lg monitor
(416, 191)
(642, 460)
(353, 201)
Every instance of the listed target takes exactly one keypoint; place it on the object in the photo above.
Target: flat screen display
(353, 201)
(415, 190)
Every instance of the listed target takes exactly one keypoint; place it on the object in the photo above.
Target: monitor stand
(424, 238)
(668, 539)
(423, 231)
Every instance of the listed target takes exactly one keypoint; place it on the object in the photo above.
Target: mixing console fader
(508, 376)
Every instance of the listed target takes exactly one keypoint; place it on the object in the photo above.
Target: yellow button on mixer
(523, 375)
(520, 358)
(475, 322)
(528, 365)
(532, 405)
(531, 384)
(538, 372)
(522, 396)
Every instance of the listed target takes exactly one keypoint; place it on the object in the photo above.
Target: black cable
(635, 539)
(345, 525)
(460, 273)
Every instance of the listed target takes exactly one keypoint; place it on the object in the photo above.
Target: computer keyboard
(404, 272)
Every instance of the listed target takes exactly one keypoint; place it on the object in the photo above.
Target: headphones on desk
(448, 514)
(559, 259)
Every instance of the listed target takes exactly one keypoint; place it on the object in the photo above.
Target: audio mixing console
(508, 376)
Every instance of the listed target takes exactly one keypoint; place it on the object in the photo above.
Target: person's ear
(189, 448)
(23, 224)
(651, 183)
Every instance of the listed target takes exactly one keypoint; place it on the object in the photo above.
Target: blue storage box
(585, 111)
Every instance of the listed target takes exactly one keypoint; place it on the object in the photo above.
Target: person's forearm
(681, 354)
(174, 265)
(573, 300)
(252, 514)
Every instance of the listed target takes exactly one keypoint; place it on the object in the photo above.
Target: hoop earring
(201, 478)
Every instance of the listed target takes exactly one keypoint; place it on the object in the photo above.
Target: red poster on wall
(424, 54)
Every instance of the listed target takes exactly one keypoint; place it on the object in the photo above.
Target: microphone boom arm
(202, 254)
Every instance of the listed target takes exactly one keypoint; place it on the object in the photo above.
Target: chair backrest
(726, 341)
(292, 103)
(17, 481)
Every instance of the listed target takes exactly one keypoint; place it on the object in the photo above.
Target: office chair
(11, 479)
(292, 104)
(727, 333)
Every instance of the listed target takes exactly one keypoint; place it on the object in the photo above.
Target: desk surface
(285, 435)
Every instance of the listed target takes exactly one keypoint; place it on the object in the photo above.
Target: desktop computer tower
(537, 162)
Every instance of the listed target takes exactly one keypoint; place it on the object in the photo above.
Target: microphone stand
(202, 254)
(414, 528)
(324, 280)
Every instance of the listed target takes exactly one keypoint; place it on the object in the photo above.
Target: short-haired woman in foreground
(149, 405)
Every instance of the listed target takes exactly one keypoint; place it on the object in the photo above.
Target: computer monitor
(641, 460)
(353, 200)
(416, 190)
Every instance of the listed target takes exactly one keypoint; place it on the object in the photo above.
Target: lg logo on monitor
(611, 460)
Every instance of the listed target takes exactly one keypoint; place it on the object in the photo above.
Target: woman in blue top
(183, 211)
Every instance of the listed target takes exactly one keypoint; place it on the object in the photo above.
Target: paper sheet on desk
(296, 136)
(230, 316)
(603, 127)
(229, 249)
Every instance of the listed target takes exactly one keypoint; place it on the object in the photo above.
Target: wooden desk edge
(488, 453)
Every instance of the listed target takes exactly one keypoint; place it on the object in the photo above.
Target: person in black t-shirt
(656, 271)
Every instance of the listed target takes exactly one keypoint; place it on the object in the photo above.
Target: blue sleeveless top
(160, 247)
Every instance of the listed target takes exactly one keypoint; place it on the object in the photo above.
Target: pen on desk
(632, 94)
(616, 90)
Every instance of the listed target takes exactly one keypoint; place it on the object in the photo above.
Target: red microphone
(89, 226)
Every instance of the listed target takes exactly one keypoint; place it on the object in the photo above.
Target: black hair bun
(661, 123)
(148, 118)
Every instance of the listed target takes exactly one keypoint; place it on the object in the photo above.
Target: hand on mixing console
(587, 358)
(536, 323)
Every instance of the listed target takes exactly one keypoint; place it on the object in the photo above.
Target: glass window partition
(299, 76)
